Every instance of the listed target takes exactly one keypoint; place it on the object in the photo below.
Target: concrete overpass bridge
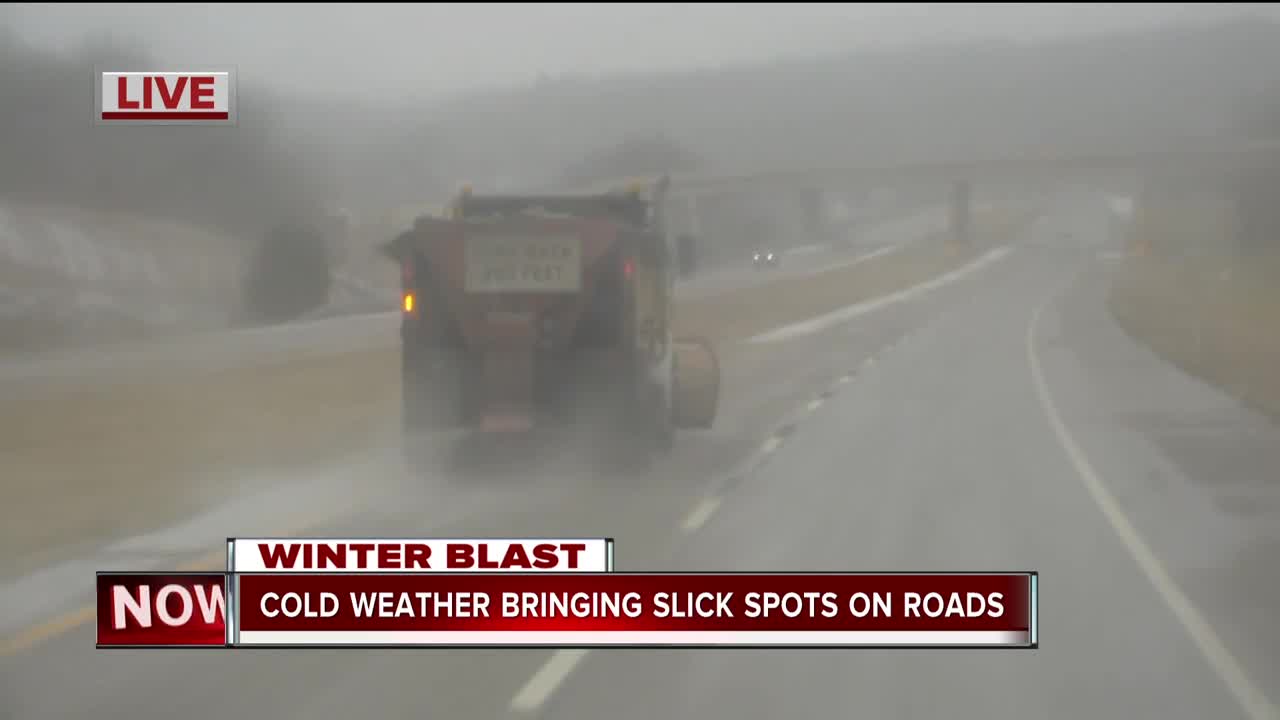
(1129, 171)
(804, 194)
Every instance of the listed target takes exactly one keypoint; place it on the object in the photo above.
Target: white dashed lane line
(539, 689)
(843, 315)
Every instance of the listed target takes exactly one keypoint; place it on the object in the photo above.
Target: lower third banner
(637, 609)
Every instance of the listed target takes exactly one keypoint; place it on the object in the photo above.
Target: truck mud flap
(696, 391)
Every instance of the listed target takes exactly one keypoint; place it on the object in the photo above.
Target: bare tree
(237, 179)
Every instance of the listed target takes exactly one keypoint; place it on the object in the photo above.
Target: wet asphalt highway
(1001, 422)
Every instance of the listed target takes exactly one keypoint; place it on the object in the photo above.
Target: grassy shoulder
(1213, 316)
(90, 462)
(742, 313)
(93, 462)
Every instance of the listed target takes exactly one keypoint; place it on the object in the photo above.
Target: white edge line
(545, 681)
(1253, 701)
(770, 445)
(806, 249)
(855, 260)
(822, 322)
(701, 513)
(858, 259)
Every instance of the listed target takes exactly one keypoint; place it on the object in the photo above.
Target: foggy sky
(388, 52)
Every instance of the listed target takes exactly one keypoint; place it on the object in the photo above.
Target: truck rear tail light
(406, 272)
(628, 267)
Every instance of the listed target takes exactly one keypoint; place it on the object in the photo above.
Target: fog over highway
(1001, 422)
(1076, 375)
(266, 345)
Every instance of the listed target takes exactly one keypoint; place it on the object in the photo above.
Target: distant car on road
(764, 259)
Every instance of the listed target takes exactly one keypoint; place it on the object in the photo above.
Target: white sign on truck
(523, 264)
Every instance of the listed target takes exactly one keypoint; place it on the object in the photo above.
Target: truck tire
(695, 396)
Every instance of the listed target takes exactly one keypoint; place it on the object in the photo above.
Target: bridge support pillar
(689, 238)
(961, 212)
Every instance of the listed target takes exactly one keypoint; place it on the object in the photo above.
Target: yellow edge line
(69, 621)
(36, 635)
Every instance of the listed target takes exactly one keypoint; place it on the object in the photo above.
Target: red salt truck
(526, 313)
